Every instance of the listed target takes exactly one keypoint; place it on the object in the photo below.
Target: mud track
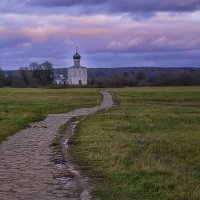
(27, 161)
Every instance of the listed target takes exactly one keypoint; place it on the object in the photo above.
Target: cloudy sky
(109, 33)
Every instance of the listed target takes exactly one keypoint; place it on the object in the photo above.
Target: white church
(77, 75)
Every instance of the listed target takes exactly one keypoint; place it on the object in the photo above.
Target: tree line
(35, 75)
(42, 75)
(145, 77)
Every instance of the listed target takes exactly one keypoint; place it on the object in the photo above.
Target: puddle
(74, 126)
(60, 166)
(66, 143)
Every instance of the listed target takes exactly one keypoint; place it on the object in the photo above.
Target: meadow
(145, 148)
(20, 107)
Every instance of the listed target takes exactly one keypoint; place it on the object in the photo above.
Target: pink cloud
(100, 33)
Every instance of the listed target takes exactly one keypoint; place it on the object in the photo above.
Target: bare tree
(43, 73)
(2, 78)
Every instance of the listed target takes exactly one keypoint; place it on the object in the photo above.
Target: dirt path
(27, 170)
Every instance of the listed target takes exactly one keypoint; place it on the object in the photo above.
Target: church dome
(76, 56)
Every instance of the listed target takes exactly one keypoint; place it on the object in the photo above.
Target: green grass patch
(28, 105)
(146, 148)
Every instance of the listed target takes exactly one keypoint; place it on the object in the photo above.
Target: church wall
(77, 75)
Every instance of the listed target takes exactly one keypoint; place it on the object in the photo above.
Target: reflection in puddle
(74, 126)
(66, 143)
(60, 166)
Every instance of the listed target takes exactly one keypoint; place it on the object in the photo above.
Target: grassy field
(146, 148)
(27, 105)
